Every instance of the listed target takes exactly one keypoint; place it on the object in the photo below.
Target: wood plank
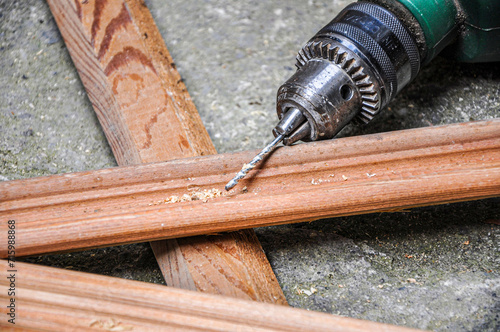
(53, 299)
(147, 115)
(382, 172)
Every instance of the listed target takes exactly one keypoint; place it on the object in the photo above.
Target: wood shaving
(110, 325)
(246, 167)
(413, 281)
(344, 177)
(307, 292)
(203, 195)
(318, 181)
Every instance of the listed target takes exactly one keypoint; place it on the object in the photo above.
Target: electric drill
(354, 66)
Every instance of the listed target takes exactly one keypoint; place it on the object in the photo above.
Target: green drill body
(467, 30)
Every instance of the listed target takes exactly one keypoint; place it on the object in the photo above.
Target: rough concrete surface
(433, 268)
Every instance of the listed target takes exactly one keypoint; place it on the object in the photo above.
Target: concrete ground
(434, 268)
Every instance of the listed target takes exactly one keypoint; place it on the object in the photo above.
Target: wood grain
(147, 115)
(53, 299)
(383, 172)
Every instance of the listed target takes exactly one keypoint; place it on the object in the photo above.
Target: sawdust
(200, 195)
(316, 182)
(307, 292)
(319, 181)
(110, 325)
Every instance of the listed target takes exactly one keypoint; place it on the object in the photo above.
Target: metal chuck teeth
(292, 119)
(301, 132)
(337, 54)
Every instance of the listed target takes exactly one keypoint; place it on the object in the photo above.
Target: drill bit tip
(231, 184)
(251, 165)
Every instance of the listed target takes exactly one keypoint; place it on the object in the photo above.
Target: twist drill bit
(291, 120)
(257, 159)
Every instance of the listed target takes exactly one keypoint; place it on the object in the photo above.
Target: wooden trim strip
(54, 299)
(382, 172)
(148, 116)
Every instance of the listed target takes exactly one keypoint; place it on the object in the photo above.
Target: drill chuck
(350, 69)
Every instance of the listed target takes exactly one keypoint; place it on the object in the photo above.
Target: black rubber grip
(397, 28)
(382, 39)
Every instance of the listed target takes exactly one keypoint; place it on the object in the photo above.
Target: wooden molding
(382, 172)
(51, 299)
(148, 116)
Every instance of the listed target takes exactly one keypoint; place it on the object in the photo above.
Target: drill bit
(258, 158)
(291, 120)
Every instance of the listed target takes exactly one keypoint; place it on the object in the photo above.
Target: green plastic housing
(468, 29)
